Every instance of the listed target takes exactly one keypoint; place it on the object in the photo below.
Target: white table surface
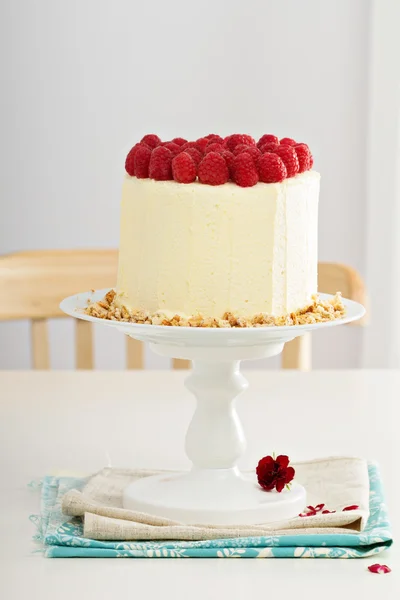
(52, 422)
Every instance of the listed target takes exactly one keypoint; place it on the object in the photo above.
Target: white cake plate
(214, 491)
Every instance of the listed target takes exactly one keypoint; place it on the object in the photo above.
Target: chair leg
(297, 353)
(84, 344)
(180, 363)
(40, 344)
(134, 353)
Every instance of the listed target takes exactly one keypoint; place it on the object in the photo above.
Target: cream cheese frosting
(195, 248)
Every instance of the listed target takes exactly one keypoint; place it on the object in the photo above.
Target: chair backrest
(332, 278)
(32, 285)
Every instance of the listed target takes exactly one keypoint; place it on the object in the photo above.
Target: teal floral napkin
(62, 537)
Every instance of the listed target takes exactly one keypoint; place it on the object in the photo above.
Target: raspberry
(142, 159)
(247, 139)
(195, 154)
(289, 157)
(229, 157)
(201, 144)
(271, 168)
(254, 153)
(267, 138)
(188, 145)
(239, 148)
(287, 142)
(304, 156)
(180, 141)
(269, 147)
(232, 141)
(214, 147)
(151, 140)
(214, 138)
(130, 160)
(183, 168)
(175, 148)
(213, 169)
(160, 164)
(244, 170)
(252, 150)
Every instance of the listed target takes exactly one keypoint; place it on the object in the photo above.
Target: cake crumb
(319, 311)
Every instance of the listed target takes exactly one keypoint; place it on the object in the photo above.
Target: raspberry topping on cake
(267, 138)
(240, 148)
(229, 158)
(238, 138)
(269, 147)
(175, 148)
(130, 160)
(252, 150)
(160, 167)
(184, 168)
(244, 170)
(180, 141)
(271, 168)
(141, 161)
(151, 140)
(201, 144)
(289, 157)
(287, 142)
(214, 147)
(304, 156)
(189, 145)
(213, 169)
(195, 154)
(213, 160)
(214, 138)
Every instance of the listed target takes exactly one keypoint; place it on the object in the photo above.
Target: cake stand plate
(214, 491)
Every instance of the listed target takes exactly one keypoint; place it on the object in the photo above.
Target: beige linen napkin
(335, 482)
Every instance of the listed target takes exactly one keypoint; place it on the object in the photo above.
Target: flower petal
(311, 512)
(280, 484)
(282, 460)
(379, 569)
(319, 507)
(290, 472)
(266, 463)
(328, 512)
(351, 507)
(267, 485)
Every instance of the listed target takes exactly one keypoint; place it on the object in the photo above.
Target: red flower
(380, 569)
(274, 472)
(351, 507)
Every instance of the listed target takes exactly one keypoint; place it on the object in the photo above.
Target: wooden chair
(332, 278)
(32, 285)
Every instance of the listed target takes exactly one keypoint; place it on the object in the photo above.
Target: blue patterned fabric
(62, 538)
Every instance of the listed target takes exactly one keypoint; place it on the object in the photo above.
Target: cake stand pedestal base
(214, 497)
(214, 491)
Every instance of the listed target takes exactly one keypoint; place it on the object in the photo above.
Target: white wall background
(83, 80)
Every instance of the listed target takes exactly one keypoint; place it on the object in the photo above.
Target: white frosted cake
(220, 232)
(189, 249)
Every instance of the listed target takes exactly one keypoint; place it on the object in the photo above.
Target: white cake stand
(214, 491)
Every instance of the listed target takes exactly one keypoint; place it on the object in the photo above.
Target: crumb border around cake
(318, 311)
